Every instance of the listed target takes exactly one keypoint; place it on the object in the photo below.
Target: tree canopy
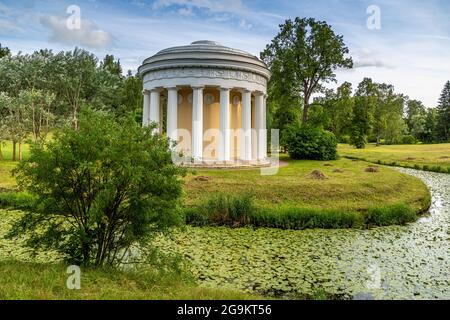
(304, 55)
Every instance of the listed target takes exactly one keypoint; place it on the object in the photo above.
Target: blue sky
(410, 51)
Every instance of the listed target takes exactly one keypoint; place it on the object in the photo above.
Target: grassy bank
(240, 211)
(345, 187)
(26, 280)
(427, 157)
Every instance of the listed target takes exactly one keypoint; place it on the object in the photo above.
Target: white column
(264, 127)
(224, 144)
(155, 108)
(259, 126)
(197, 123)
(146, 109)
(247, 124)
(172, 113)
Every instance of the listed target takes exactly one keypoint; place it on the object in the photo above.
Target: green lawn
(351, 189)
(418, 156)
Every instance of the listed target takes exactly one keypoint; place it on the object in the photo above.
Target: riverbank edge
(426, 168)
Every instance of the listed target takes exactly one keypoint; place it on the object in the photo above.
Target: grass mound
(317, 175)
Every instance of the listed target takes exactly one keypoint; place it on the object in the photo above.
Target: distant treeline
(304, 56)
(44, 90)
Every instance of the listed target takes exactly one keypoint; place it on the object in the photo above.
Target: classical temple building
(211, 100)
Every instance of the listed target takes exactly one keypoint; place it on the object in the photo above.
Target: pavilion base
(235, 164)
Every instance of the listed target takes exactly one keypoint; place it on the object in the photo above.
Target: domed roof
(205, 46)
(204, 53)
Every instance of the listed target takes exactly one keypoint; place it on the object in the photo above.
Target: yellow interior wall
(184, 119)
(211, 120)
(235, 124)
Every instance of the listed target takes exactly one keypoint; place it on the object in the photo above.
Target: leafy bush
(306, 142)
(99, 190)
(344, 139)
(409, 139)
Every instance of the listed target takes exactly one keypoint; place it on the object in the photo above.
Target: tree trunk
(14, 151)
(305, 110)
(20, 151)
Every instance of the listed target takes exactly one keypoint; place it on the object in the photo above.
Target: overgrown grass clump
(17, 200)
(240, 210)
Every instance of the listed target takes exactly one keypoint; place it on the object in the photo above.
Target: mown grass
(39, 281)
(427, 157)
(348, 187)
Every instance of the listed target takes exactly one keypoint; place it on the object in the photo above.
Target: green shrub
(408, 139)
(344, 139)
(112, 181)
(308, 143)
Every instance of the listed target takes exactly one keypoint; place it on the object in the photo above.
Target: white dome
(204, 53)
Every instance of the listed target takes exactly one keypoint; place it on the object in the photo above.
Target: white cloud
(214, 6)
(89, 35)
(7, 27)
(368, 58)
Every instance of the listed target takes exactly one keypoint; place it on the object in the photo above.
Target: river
(397, 262)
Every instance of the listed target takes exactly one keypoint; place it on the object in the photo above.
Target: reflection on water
(397, 262)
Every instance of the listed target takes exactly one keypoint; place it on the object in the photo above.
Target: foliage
(362, 118)
(50, 89)
(306, 142)
(443, 114)
(305, 53)
(99, 189)
(4, 51)
(409, 139)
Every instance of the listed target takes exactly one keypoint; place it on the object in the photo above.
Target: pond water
(398, 262)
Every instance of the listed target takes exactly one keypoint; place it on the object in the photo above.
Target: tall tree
(4, 51)
(362, 115)
(413, 108)
(430, 127)
(443, 110)
(307, 52)
(111, 65)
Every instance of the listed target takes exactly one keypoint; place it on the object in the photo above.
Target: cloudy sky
(410, 50)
